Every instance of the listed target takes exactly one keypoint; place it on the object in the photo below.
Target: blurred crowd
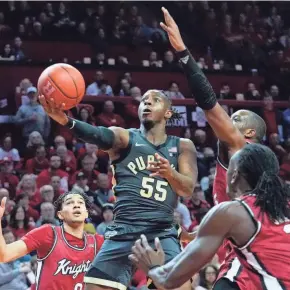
(49, 160)
(222, 35)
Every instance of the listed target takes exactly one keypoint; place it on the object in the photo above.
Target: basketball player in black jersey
(151, 170)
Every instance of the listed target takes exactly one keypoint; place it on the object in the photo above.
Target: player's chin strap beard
(148, 124)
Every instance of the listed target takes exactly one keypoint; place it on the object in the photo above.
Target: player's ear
(250, 133)
(59, 215)
(168, 114)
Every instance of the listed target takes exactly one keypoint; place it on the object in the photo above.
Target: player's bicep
(121, 140)
(187, 162)
(14, 251)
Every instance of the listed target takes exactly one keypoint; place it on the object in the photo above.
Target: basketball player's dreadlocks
(59, 202)
(176, 116)
(260, 167)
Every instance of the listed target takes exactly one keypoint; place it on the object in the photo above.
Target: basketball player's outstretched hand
(172, 30)
(161, 167)
(145, 257)
(2, 206)
(54, 111)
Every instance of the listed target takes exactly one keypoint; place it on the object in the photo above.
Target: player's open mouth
(77, 213)
(146, 112)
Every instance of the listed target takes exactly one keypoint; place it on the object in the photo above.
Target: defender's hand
(161, 167)
(145, 257)
(53, 111)
(172, 30)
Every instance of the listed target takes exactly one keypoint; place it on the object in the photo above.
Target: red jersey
(231, 267)
(62, 259)
(266, 257)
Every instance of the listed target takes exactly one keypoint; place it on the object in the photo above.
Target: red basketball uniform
(266, 257)
(231, 267)
(66, 260)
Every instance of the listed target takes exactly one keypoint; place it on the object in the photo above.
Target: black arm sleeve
(197, 81)
(101, 136)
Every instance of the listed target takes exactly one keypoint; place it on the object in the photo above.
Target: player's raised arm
(202, 90)
(217, 225)
(11, 251)
(107, 139)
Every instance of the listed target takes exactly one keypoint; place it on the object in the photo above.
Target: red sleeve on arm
(40, 240)
(99, 240)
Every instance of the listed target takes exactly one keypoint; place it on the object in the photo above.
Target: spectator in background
(85, 114)
(131, 108)
(108, 118)
(100, 43)
(27, 185)
(155, 29)
(225, 92)
(94, 90)
(54, 169)
(47, 194)
(55, 182)
(107, 214)
(7, 178)
(23, 200)
(169, 61)
(81, 184)
(153, 60)
(125, 87)
(18, 50)
(274, 92)
(208, 276)
(47, 215)
(270, 115)
(58, 141)
(32, 117)
(88, 165)
(12, 275)
(275, 145)
(197, 205)
(7, 53)
(38, 163)
(34, 141)
(19, 222)
(7, 149)
(68, 161)
(100, 58)
(173, 91)
(103, 89)
(23, 87)
(252, 93)
(104, 194)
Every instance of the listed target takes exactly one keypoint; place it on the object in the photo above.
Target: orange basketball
(63, 83)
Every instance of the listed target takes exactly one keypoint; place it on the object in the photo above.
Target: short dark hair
(260, 167)
(59, 202)
(175, 114)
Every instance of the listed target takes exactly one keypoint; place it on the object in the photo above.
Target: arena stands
(243, 48)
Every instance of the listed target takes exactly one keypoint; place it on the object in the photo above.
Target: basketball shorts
(112, 267)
